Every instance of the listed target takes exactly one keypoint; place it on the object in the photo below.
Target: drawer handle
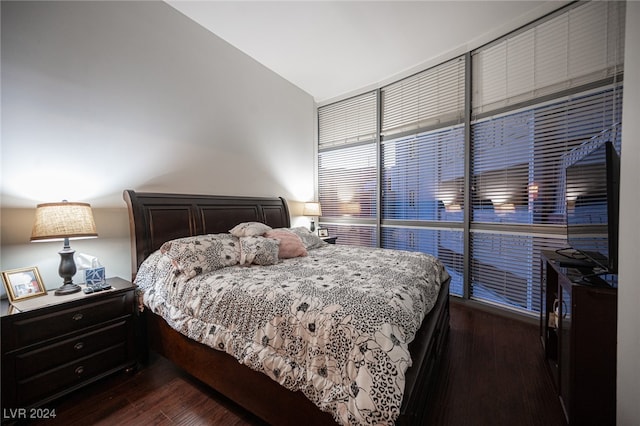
(79, 370)
(78, 316)
(78, 346)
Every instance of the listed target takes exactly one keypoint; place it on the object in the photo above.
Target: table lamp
(312, 209)
(62, 222)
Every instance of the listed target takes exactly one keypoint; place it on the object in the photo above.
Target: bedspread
(334, 324)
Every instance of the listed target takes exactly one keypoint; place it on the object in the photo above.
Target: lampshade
(312, 209)
(57, 221)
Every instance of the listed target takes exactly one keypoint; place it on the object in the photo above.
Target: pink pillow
(290, 244)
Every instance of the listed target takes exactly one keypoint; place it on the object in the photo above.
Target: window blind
(446, 245)
(350, 121)
(563, 127)
(347, 169)
(582, 45)
(518, 158)
(505, 269)
(551, 87)
(537, 93)
(423, 176)
(502, 155)
(430, 98)
(353, 234)
(347, 182)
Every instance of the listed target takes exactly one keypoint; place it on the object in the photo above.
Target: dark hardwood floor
(493, 374)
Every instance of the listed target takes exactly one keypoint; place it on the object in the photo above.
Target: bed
(158, 218)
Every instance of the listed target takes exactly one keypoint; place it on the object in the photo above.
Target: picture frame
(23, 283)
(323, 232)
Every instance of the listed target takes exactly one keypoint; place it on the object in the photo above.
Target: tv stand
(578, 324)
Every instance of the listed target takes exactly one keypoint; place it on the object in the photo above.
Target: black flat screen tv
(592, 192)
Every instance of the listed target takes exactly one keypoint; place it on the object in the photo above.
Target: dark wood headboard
(158, 217)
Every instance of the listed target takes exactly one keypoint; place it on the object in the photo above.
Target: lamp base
(67, 270)
(67, 289)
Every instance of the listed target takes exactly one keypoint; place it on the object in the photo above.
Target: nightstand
(330, 240)
(56, 344)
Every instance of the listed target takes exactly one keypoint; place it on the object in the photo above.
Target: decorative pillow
(148, 271)
(248, 229)
(309, 239)
(258, 250)
(290, 244)
(203, 253)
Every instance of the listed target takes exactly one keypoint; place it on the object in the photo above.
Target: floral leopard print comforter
(335, 324)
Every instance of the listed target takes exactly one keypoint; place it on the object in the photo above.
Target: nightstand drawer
(71, 374)
(45, 358)
(56, 324)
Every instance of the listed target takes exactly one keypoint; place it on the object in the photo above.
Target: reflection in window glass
(423, 176)
(445, 245)
(347, 182)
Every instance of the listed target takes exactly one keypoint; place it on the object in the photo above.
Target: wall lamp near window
(62, 222)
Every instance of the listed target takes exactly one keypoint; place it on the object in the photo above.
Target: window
(350, 121)
(423, 176)
(430, 99)
(581, 45)
(347, 169)
(409, 167)
(505, 268)
(446, 245)
(538, 94)
(422, 165)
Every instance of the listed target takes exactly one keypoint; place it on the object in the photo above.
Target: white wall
(98, 97)
(628, 413)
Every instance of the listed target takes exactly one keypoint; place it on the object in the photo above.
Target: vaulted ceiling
(334, 48)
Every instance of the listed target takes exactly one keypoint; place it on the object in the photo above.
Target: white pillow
(249, 229)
